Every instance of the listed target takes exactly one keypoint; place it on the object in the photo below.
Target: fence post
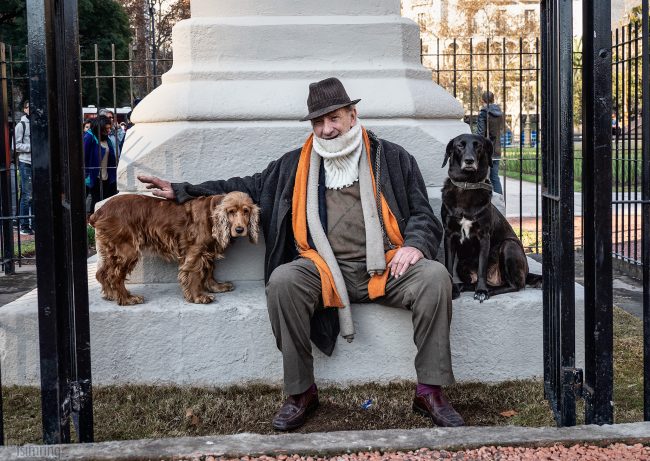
(597, 215)
(5, 172)
(645, 220)
(560, 374)
(61, 247)
(5, 181)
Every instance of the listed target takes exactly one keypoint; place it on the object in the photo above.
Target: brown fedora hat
(326, 96)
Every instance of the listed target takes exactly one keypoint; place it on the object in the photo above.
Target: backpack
(494, 126)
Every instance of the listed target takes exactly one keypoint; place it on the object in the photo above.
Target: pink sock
(424, 389)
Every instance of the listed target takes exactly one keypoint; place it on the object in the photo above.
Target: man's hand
(161, 187)
(403, 259)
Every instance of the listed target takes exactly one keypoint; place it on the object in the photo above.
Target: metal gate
(560, 374)
(563, 382)
(57, 168)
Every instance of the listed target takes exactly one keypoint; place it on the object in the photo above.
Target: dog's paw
(130, 300)
(219, 287)
(481, 295)
(203, 299)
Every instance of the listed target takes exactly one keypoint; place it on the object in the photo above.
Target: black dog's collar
(473, 185)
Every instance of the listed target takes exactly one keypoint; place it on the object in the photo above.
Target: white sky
(619, 8)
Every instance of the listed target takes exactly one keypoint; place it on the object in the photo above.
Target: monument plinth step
(167, 340)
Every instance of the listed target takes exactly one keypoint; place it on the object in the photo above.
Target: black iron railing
(108, 82)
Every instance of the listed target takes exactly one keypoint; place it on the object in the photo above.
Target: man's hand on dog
(403, 259)
(161, 187)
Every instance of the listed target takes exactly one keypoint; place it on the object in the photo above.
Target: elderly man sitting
(346, 218)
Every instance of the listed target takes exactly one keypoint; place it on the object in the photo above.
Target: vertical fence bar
(645, 220)
(487, 64)
(616, 140)
(5, 171)
(64, 334)
(537, 143)
(96, 49)
(131, 75)
(625, 129)
(560, 374)
(635, 161)
(628, 163)
(504, 145)
(454, 62)
(5, 184)
(471, 82)
(438, 60)
(522, 136)
(597, 211)
(115, 123)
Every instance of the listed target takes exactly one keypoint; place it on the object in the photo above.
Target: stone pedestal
(229, 342)
(239, 83)
(232, 100)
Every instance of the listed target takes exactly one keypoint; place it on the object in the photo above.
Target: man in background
(23, 147)
(491, 122)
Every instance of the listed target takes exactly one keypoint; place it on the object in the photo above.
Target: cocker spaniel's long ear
(220, 222)
(254, 224)
(448, 152)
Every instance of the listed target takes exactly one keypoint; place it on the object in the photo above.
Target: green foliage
(627, 168)
(13, 22)
(90, 231)
(103, 22)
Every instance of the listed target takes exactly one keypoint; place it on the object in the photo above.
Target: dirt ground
(618, 452)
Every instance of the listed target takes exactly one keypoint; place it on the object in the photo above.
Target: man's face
(334, 124)
(26, 109)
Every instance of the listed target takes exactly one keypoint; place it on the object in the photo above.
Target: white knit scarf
(340, 157)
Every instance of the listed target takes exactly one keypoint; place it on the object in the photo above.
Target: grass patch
(135, 412)
(26, 249)
(626, 172)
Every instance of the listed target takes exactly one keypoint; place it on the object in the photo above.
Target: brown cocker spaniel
(194, 233)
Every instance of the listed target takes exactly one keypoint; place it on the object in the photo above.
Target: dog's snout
(239, 229)
(469, 160)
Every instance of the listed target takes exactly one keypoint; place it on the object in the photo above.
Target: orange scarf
(377, 283)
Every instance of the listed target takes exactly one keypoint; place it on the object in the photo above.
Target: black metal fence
(587, 182)
(112, 79)
(533, 101)
(510, 69)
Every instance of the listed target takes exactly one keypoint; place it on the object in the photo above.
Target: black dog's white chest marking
(465, 227)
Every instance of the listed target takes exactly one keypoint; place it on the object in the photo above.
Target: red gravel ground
(613, 452)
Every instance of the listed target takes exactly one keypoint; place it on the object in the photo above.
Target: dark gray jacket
(402, 186)
(491, 124)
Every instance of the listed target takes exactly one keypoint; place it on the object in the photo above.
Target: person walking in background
(491, 122)
(100, 162)
(116, 136)
(23, 147)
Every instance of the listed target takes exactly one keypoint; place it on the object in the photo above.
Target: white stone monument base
(177, 151)
(169, 341)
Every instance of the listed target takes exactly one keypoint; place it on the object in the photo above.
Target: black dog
(479, 242)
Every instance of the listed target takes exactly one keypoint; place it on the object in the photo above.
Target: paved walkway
(523, 196)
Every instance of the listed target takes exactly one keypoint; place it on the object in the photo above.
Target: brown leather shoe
(294, 411)
(437, 407)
